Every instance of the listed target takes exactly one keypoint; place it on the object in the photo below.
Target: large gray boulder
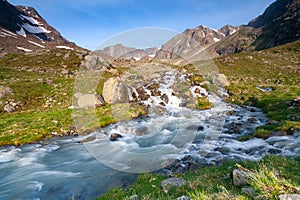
(89, 100)
(115, 91)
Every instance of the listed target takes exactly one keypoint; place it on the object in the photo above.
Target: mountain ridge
(25, 30)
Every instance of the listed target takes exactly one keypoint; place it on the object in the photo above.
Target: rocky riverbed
(172, 138)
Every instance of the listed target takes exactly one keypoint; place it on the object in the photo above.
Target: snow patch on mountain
(21, 32)
(30, 19)
(37, 44)
(34, 29)
(64, 47)
(233, 31)
(24, 49)
(6, 33)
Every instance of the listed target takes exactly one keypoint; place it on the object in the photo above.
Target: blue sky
(89, 23)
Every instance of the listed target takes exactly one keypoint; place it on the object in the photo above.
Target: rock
(158, 110)
(141, 130)
(195, 128)
(291, 130)
(66, 72)
(115, 136)
(134, 197)
(221, 80)
(114, 91)
(67, 55)
(183, 198)
(240, 177)
(289, 197)
(165, 98)
(248, 191)
(183, 103)
(297, 133)
(278, 133)
(5, 91)
(172, 182)
(88, 139)
(197, 91)
(89, 100)
(155, 92)
(9, 108)
(49, 81)
(142, 94)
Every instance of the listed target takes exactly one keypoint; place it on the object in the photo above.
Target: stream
(65, 168)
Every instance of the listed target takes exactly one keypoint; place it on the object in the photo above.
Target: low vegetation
(269, 178)
(267, 79)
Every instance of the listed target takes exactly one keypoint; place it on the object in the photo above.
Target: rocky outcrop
(116, 91)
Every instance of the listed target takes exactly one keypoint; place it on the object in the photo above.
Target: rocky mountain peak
(228, 30)
(25, 30)
(204, 35)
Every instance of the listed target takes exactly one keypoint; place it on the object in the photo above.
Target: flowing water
(64, 168)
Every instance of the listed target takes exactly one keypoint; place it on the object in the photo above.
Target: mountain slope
(23, 29)
(193, 41)
(279, 24)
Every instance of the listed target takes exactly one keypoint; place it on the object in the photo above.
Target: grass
(215, 182)
(34, 120)
(276, 68)
(269, 184)
(203, 103)
(22, 128)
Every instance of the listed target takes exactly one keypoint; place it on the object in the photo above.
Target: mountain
(23, 29)
(121, 51)
(279, 24)
(193, 41)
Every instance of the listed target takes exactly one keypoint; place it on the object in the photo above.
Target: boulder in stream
(115, 91)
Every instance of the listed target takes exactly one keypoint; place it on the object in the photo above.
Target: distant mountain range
(121, 51)
(22, 29)
(279, 24)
